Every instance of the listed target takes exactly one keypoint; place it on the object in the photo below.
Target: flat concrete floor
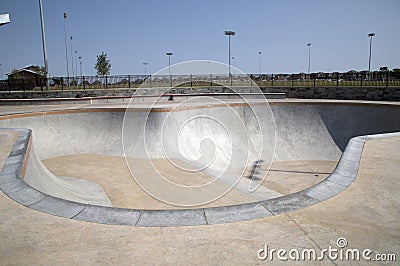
(7, 141)
(367, 214)
(112, 173)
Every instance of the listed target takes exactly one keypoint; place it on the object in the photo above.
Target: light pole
(46, 67)
(72, 59)
(76, 64)
(80, 65)
(145, 69)
(229, 34)
(66, 47)
(259, 64)
(233, 65)
(370, 35)
(169, 66)
(309, 57)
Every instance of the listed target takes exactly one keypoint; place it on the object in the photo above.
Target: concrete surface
(309, 131)
(107, 96)
(366, 214)
(283, 178)
(374, 93)
(73, 189)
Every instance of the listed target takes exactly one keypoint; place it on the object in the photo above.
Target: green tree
(15, 74)
(42, 71)
(103, 65)
(383, 69)
(396, 73)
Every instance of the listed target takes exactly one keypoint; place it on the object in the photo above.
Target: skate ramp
(303, 131)
(73, 189)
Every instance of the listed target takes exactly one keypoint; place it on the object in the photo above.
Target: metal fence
(351, 79)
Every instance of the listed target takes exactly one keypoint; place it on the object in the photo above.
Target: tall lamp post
(4, 19)
(46, 67)
(169, 66)
(370, 35)
(309, 57)
(233, 65)
(259, 64)
(66, 47)
(229, 34)
(80, 65)
(76, 63)
(72, 59)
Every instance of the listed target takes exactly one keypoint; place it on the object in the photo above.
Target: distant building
(28, 72)
(26, 78)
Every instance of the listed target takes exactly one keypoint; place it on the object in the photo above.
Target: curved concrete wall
(303, 131)
(318, 131)
(12, 185)
(73, 189)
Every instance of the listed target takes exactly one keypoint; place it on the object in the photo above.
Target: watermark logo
(341, 242)
(229, 137)
(340, 252)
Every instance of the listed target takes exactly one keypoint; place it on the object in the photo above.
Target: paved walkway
(4, 110)
(367, 214)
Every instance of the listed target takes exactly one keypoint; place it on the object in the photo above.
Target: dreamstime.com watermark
(340, 253)
(231, 139)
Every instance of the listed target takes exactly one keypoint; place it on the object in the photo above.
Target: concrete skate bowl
(72, 163)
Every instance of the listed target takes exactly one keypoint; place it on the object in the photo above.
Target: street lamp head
(4, 19)
(309, 44)
(230, 33)
(372, 34)
(259, 52)
(169, 54)
(80, 57)
(145, 63)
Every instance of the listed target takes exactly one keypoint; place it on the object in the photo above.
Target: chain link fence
(350, 79)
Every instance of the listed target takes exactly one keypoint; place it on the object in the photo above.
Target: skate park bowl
(76, 162)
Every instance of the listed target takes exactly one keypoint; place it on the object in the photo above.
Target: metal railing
(353, 79)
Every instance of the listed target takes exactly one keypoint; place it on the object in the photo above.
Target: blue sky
(133, 32)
